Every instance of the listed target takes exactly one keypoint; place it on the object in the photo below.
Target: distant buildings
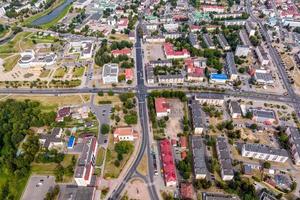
(198, 117)
(198, 150)
(86, 162)
(264, 152)
(110, 73)
(224, 159)
(213, 8)
(168, 165)
(125, 134)
(162, 107)
(173, 54)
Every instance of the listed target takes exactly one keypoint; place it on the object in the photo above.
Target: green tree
(105, 128)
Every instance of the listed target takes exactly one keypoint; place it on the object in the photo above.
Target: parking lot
(37, 187)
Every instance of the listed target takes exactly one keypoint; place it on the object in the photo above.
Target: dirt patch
(174, 124)
(137, 189)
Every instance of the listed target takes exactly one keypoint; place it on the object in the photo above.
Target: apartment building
(198, 150)
(294, 142)
(198, 117)
(230, 67)
(224, 159)
(211, 99)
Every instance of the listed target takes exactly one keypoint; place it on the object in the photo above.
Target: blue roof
(218, 76)
(71, 142)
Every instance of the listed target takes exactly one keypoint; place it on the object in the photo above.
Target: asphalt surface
(141, 91)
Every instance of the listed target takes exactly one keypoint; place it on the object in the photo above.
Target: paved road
(145, 146)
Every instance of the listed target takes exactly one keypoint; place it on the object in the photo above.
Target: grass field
(45, 73)
(13, 46)
(60, 72)
(143, 166)
(100, 156)
(49, 102)
(10, 63)
(114, 99)
(78, 72)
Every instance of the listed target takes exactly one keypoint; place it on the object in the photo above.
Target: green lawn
(78, 71)
(60, 72)
(11, 62)
(45, 73)
(100, 156)
(13, 45)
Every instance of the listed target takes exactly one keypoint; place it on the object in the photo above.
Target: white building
(125, 134)
(162, 107)
(211, 99)
(30, 59)
(242, 50)
(262, 55)
(250, 28)
(85, 167)
(53, 140)
(84, 48)
(110, 73)
(171, 26)
(264, 152)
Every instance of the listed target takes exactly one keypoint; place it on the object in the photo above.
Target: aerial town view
(150, 100)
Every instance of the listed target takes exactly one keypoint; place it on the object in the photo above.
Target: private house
(85, 166)
(224, 158)
(129, 74)
(125, 134)
(62, 113)
(122, 24)
(110, 73)
(125, 51)
(53, 140)
(264, 152)
(168, 165)
(198, 117)
(162, 107)
(198, 150)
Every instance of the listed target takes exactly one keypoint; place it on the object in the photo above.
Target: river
(52, 15)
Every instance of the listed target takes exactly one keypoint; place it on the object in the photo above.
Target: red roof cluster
(125, 51)
(186, 191)
(169, 50)
(161, 105)
(167, 162)
(291, 11)
(193, 70)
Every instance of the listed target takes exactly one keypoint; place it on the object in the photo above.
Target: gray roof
(260, 148)
(193, 39)
(230, 64)
(224, 156)
(74, 192)
(262, 52)
(198, 149)
(208, 41)
(170, 76)
(51, 137)
(267, 114)
(110, 70)
(209, 96)
(149, 73)
(198, 116)
(217, 196)
(235, 106)
(155, 63)
(244, 37)
(222, 40)
(264, 76)
(266, 196)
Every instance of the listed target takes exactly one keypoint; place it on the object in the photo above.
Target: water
(52, 15)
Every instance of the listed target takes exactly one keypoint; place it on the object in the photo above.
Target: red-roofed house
(173, 54)
(125, 51)
(128, 74)
(168, 164)
(122, 24)
(63, 112)
(162, 107)
(195, 28)
(213, 8)
(195, 69)
(187, 191)
(125, 134)
(183, 142)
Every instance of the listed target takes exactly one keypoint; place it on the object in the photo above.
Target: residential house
(264, 152)
(224, 158)
(193, 40)
(122, 24)
(198, 151)
(162, 107)
(168, 165)
(235, 22)
(161, 63)
(87, 160)
(125, 51)
(250, 28)
(150, 75)
(195, 69)
(217, 196)
(125, 134)
(62, 113)
(244, 37)
(213, 8)
(187, 191)
(129, 74)
(263, 77)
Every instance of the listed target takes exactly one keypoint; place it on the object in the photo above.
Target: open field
(60, 72)
(143, 166)
(13, 46)
(10, 62)
(49, 102)
(100, 156)
(45, 73)
(78, 72)
(113, 99)
(118, 37)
